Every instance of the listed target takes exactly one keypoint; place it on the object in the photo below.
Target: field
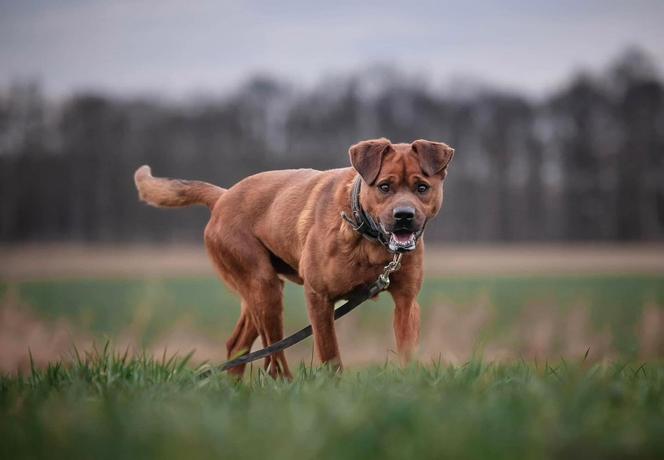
(549, 354)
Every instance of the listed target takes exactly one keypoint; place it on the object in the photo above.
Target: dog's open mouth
(402, 240)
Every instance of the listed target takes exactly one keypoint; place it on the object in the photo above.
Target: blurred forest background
(583, 163)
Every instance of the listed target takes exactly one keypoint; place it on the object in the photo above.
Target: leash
(355, 298)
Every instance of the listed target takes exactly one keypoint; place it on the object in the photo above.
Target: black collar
(362, 222)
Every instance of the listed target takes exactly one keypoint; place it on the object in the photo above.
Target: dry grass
(451, 332)
(62, 261)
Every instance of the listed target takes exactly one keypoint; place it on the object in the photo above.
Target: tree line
(583, 163)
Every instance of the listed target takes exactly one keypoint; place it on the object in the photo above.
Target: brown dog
(287, 224)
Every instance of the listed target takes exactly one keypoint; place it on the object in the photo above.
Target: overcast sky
(176, 48)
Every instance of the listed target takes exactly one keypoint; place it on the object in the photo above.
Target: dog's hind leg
(244, 264)
(243, 337)
(265, 302)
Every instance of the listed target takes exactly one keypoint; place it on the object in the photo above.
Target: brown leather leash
(354, 298)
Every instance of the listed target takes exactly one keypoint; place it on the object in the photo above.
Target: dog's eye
(385, 187)
(422, 188)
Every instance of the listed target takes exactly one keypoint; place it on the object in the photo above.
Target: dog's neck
(361, 221)
(356, 245)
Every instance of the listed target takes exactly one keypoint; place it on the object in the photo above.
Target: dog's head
(403, 185)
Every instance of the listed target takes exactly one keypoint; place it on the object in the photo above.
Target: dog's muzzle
(402, 240)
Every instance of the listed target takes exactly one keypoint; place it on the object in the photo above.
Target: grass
(105, 404)
(109, 404)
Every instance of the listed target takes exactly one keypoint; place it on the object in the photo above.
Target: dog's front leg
(406, 324)
(321, 315)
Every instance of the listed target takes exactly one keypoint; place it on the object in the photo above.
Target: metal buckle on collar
(353, 223)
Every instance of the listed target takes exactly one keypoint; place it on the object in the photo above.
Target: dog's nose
(404, 214)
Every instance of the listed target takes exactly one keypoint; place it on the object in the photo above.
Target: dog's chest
(344, 274)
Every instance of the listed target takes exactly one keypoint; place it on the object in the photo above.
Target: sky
(178, 48)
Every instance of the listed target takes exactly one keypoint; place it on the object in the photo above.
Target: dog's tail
(174, 193)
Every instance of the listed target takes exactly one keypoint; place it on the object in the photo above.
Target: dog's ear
(434, 156)
(367, 157)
